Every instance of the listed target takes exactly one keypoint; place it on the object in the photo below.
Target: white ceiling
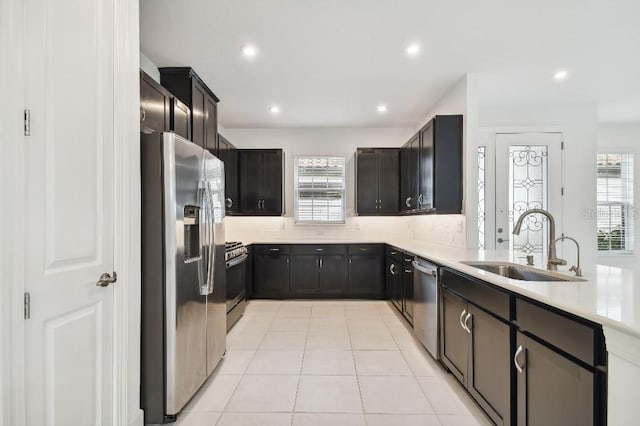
(330, 62)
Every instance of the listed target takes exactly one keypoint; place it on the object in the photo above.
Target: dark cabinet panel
(366, 181)
(249, 163)
(228, 154)
(305, 277)
(198, 121)
(154, 105)
(454, 340)
(211, 124)
(271, 275)
(394, 282)
(333, 275)
(389, 181)
(180, 118)
(551, 389)
(377, 181)
(489, 378)
(189, 88)
(366, 276)
(409, 177)
(272, 175)
(425, 195)
(431, 168)
(260, 181)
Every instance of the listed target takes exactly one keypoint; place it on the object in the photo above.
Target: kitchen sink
(521, 272)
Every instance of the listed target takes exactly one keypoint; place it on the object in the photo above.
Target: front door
(518, 172)
(69, 211)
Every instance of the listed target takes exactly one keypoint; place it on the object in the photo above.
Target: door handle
(462, 315)
(501, 240)
(432, 272)
(106, 279)
(515, 359)
(466, 322)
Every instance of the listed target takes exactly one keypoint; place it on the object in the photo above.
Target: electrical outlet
(357, 226)
(282, 227)
(459, 227)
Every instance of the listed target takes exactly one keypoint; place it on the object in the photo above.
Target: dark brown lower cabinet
(271, 275)
(365, 276)
(394, 282)
(305, 278)
(333, 275)
(476, 348)
(552, 389)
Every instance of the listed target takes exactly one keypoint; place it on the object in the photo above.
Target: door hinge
(562, 191)
(27, 305)
(562, 146)
(27, 122)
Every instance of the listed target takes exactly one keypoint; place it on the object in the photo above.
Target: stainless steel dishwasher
(425, 311)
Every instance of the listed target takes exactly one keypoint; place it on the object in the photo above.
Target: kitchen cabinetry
(476, 343)
(431, 168)
(261, 173)
(377, 181)
(560, 364)
(160, 111)
(189, 88)
(318, 271)
(366, 278)
(271, 272)
(228, 154)
(394, 280)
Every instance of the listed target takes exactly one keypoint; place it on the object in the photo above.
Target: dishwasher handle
(432, 272)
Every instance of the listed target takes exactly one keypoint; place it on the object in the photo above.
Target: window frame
(626, 207)
(296, 191)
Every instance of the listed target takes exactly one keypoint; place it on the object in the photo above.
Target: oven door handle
(236, 261)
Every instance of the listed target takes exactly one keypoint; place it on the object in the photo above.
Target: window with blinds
(615, 216)
(319, 189)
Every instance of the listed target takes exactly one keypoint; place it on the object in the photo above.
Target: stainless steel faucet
(553, 261)
(574, 268)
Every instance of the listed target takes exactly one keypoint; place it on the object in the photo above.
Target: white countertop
(608, 296)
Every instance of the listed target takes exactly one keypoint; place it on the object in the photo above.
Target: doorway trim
(126, 320)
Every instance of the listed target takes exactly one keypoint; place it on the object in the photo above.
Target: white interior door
(528, 174)
(69, 214)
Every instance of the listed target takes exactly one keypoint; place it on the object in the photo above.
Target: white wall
(149, 67)
(318, 141)
(579, 127)
(625, 138)
(450, 229)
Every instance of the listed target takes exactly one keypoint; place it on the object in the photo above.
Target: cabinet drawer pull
(274, 249)
(461, 316)
(408, 271)
(515, 359)
(393, 253)
(466, 323)
(319, 249)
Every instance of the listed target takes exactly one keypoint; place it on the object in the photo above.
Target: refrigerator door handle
(211, 243)
(202, 264)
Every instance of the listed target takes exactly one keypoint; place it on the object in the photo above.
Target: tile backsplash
(447, 229)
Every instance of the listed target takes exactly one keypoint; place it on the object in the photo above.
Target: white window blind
(319, 189)
(615, 216)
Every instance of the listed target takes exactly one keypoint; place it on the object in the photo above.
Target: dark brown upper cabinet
(229, 156)
(189, 88)
(431, 168)
(261, 174)
(377, 181)
(160, 111)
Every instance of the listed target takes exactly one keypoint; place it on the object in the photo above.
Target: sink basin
(520, 272)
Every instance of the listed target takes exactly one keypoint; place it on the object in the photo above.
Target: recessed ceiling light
(382, 108)
(413, 49)
(249, 50)
(274, 109)
(560, 75)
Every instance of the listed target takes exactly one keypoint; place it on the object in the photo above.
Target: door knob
(106, 279)
(502, 240)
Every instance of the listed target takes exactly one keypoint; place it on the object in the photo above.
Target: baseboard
(138, 419)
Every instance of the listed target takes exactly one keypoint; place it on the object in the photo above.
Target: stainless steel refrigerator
(183, 272)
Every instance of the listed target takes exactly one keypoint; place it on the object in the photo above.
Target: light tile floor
(334, 363)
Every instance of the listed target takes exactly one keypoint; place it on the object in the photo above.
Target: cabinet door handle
(258, 203)
(407, 202)
(392, 268)
(420, 201)
(462, 315)
(466, 322)
(320, 263)
(515, 359)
